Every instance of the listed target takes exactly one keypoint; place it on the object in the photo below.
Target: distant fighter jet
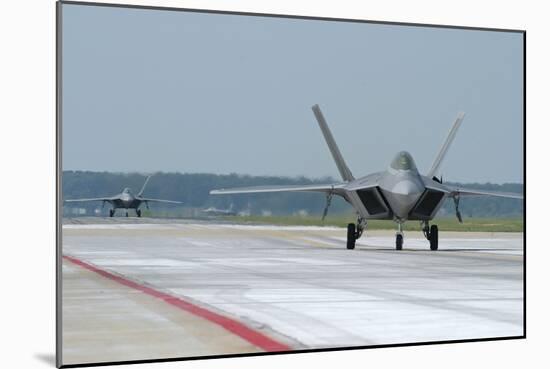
(127, 200)
(400, 193)
(219, 212)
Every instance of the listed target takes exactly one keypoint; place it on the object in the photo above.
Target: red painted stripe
(254, 337)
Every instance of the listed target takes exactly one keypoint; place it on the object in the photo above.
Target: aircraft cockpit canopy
(403, 161)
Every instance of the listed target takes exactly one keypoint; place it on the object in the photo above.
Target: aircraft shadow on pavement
(367, 248)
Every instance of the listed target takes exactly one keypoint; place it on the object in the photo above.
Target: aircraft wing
(469, 192)
(331, 187)
(159, 200)
(93, 199)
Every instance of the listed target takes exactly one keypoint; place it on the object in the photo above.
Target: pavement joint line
(253, 336)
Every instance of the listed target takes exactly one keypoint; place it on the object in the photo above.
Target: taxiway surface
(296, 285)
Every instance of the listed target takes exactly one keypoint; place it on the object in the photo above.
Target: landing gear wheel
(138, 212)
(434, 237)
(126, 214)
(351, 237)
(398, 241)
(111, 213)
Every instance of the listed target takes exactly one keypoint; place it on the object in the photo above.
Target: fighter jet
(127, 200)
(212, 211)
(399, 193)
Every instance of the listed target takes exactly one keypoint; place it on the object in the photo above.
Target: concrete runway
(298, 286)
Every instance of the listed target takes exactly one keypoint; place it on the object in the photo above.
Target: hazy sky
(147, 91)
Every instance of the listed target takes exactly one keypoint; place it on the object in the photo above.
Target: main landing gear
(112, 212)
(354, 232)
(431, 234)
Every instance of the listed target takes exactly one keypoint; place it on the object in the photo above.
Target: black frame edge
(58, 194)
(291, 16)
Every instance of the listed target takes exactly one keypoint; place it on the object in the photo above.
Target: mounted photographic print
(248, 184)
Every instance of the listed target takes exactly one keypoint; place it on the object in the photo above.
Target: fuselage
(126, 200)
(394, 193)
(401, 189)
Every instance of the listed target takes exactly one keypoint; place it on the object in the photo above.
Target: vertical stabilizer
(336, 155)
(445, 147)
(143, 187)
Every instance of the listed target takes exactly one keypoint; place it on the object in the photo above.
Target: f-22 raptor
(399, 193)
(212, 211)
(127, 200)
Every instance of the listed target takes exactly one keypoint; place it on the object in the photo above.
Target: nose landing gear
(399, 237)
(399, 241)
(111, 212)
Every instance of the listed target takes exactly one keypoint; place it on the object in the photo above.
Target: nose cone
(404, 195)
(407, 187)
(126, 199)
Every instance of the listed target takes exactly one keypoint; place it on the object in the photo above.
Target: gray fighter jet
(127, 200)
(399, 193)
(213, 211)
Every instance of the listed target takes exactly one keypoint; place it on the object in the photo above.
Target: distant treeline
(193, 190)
